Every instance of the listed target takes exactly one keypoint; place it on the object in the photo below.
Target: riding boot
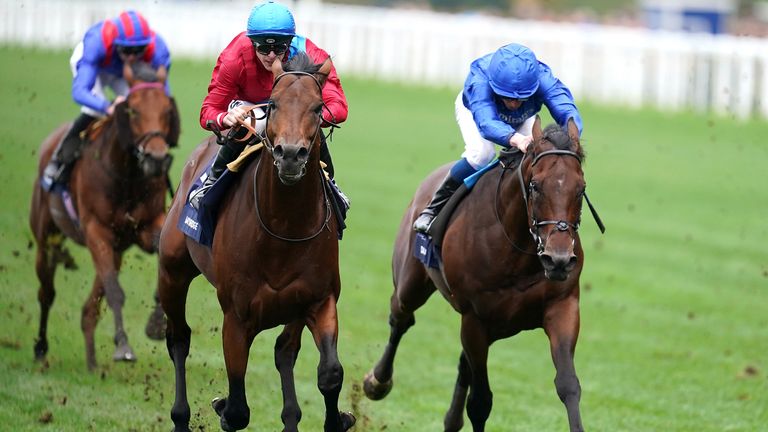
(325, 157)
(439, 199)
(227, 153)
(66, 153)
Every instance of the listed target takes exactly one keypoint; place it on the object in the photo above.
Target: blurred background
(671, 54)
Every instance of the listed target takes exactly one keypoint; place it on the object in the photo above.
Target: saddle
(199, 225)
(427, 246)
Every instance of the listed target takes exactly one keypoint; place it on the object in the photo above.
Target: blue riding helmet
(270, 18)
(132, 30)
(514, 72)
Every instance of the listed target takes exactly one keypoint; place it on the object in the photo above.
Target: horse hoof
(155, 328)
(41, 349)
(218, 404)
(124, 353)
(374, 389)
(347, 420)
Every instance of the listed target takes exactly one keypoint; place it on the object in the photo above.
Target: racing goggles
(132, 50)
(277, 48)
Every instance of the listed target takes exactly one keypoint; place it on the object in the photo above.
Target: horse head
(294, 115)
(553, 191)
(148, 120)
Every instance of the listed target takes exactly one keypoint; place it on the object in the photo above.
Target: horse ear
(162, 74)
(573, 131)
(537, 129)
(325, 69)
(174, 126)
(277, 68)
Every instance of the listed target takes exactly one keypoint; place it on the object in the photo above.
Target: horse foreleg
(149, 241)
(561, 323)
(107, 262)
(454, 418)
(474, 339)
(89, 319)
(233, 409)
(286, 351)
(155, 328)
(45, 266)
(172, 291)
(410, 294)
(324, 326)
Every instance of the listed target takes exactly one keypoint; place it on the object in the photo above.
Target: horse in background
(274, 259)
(511, 261)
(115, 198)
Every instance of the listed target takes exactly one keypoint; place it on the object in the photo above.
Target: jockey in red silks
(97, 62)
(243, 76)
(497, 106)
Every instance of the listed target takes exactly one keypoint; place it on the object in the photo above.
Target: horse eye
(533, 186)
(318, 110)
(132, 112)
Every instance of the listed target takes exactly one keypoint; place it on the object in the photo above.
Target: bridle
(534, 225)
(269, 106)
(138, 150)
(270, 147)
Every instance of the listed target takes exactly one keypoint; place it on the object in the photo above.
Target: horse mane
(301, 62)
(144, 72)
(558, 136)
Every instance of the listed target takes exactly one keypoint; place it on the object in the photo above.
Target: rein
(277, 236)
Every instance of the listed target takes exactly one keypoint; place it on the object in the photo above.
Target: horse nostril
(572, 262)
(302, 154)
(277, 151)
(547, 261)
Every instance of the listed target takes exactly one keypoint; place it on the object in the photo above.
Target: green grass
(674, 301)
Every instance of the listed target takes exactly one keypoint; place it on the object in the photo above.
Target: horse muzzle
(152, 166)
(557, 256)
(291, 163)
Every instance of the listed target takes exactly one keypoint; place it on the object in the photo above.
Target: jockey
(97, 62)
(243, 76)
(498, 105)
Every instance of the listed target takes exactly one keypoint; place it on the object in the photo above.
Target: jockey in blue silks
(97, 62)
(498, 105)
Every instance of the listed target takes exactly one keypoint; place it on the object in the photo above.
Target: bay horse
(511, 260)
(117, 189)
(274, 257)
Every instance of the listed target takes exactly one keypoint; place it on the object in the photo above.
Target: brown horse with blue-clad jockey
(114, 198)
(509, 260)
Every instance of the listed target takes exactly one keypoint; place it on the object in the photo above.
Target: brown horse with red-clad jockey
(274, 257)
(115, 198)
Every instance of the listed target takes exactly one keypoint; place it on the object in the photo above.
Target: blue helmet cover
(514, 72)
(270, 18)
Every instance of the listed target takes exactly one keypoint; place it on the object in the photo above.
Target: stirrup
(423, 222)
(197, 195)
(51, 176)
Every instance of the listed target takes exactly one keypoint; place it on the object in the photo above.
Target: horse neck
(511, 204)
(117, 167)
(301, 204)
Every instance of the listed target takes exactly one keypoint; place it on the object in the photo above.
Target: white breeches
(261, 119)
(477, 150)
(118, 85)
